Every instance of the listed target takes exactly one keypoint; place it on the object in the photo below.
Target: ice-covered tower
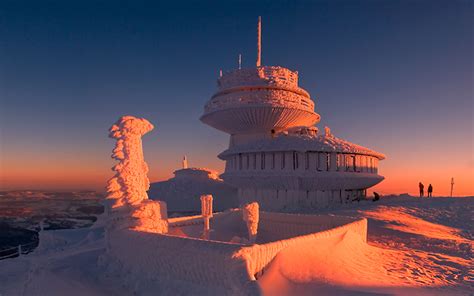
(254, 103)
(275, 155)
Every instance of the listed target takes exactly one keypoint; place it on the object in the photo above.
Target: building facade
(276, 155)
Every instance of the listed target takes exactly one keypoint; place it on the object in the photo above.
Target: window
(328, 161)
(318, 161)
(273, 160)
(262, 160)
(306, 161)
(295, 160)
(248, 161)
(353, 158)
(283, 160)
(240, 161)
(255, 161)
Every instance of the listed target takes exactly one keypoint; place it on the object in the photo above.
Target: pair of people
(422, 190)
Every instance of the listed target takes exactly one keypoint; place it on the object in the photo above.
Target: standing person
(430, 191)
(422, 189)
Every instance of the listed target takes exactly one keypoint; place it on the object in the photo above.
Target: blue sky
(395, 76)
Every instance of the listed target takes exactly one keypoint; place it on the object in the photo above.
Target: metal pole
(452, 186)
(259, 42)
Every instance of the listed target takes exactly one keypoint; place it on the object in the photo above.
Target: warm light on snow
(130, 183)
(250, 214)
(127, 189)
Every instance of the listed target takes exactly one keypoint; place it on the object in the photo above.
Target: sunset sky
(394, 76)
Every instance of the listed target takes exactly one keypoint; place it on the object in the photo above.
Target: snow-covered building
(182, 192)
(276, 155)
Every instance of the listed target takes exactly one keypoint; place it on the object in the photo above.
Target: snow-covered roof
(197, 172)
(302, 143)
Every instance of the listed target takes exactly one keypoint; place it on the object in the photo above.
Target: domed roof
(301, 143)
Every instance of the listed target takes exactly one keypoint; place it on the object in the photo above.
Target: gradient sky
(394, 76)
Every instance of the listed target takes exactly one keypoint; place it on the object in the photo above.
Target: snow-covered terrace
(224, 263)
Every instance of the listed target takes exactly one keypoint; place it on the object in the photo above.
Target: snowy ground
(415, 247)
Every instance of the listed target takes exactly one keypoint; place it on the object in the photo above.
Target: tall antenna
(259, 41)
(240, 61)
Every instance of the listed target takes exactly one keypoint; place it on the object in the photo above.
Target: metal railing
(18, 251)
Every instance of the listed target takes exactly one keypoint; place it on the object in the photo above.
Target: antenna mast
(240, 61)
(452, 185)
(259, 42)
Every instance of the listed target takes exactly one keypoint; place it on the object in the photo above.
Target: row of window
(321, 161)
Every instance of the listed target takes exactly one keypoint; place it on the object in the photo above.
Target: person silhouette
(376, 196)
(430, 191)
(422, 189)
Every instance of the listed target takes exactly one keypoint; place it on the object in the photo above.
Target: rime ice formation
(130, 183)
(127, 189)
(250, 213)
(276, 156)
(206, 212)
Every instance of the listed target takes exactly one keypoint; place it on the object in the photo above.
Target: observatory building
(276, 155)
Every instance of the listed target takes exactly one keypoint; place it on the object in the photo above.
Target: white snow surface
(301, 143)
(414, 247)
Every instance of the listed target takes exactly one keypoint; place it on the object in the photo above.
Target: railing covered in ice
(265, 75)
(263, 96)
(18, 250)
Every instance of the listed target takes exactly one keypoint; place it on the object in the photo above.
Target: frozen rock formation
(250, 213)
(127, 189)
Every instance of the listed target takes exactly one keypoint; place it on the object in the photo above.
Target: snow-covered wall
(261, 255)
(172, 260)
(218, 267)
